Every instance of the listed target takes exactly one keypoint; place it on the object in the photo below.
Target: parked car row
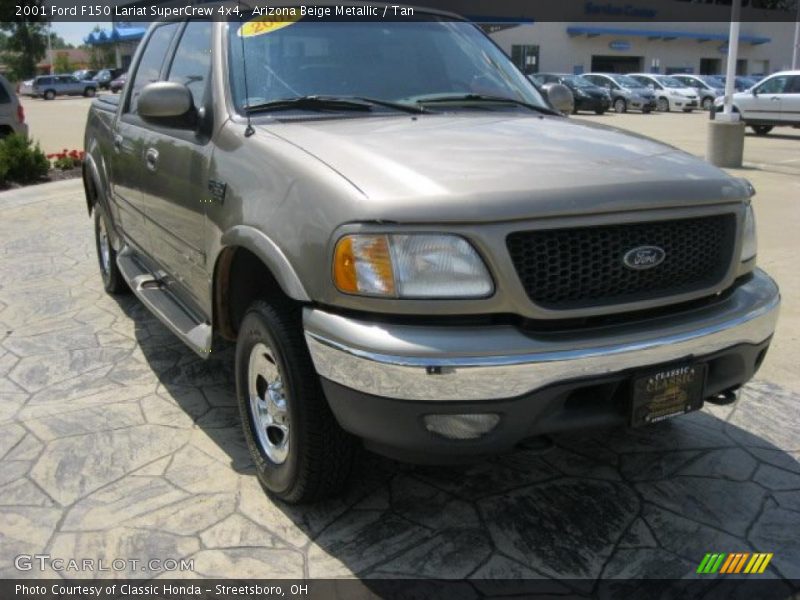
(770, 101)
(84, 82)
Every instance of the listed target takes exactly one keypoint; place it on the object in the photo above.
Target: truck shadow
(581, 512)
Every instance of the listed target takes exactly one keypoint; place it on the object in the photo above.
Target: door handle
(774, 98)
(151, 158)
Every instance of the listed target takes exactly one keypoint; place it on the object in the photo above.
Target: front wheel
(49, 95)
(620, 106)
(300, 452)
(662, 105)
(761, 129)
(89, 92)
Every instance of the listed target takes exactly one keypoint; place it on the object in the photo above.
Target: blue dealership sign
(620, 45)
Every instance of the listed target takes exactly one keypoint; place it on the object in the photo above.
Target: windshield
(670, 82)
(628, 82)
(389, 61)
(578, 82)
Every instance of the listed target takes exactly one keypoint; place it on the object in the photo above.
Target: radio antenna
(249, 130)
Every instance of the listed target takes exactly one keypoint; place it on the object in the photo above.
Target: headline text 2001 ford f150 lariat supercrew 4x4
(386, 220)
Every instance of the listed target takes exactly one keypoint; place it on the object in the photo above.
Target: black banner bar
(486, 11)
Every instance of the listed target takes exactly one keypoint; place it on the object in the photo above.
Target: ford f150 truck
(387, 219)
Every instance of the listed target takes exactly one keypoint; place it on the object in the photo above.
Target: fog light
(461, 427)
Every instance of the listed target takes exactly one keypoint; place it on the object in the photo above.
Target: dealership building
(698, 43)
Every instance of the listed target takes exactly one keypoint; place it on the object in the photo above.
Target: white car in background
(708, 88)
(12, 115)
(671, 94)
(773, 101)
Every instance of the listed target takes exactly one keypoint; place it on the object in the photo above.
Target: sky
(73, 33)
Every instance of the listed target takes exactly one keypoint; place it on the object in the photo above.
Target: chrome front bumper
(456, 363)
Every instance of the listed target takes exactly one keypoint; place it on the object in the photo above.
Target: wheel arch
(250, 266)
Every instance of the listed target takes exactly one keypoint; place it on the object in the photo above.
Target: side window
(776, 85)
(192, 63)
(4, 97)
(793, 87)
(149, 67)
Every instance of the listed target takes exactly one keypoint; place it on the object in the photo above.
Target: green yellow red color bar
(735, 562)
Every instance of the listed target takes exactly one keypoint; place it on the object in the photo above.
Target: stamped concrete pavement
(117, 442)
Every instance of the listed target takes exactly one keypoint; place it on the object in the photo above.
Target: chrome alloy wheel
(104, 246)
(269, 409)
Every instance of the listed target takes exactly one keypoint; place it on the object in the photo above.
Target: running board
(194, 333)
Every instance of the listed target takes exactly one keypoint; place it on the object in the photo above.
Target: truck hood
(500, 166)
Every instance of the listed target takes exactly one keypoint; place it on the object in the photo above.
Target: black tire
(688, 110)
(662, 105)
(89, 92)
(317, 459)
(49, 95)
(620, 106)
(761, 129)
(113, 282)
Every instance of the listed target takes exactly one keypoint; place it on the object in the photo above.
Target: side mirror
(166, 100)
(560, 97)
(754, 91)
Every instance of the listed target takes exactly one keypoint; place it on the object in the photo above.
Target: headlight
(749, 241)
(410, 266)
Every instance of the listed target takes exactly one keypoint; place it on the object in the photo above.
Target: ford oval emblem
(644, 257)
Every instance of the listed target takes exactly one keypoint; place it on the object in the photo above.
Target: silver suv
(12, 115)
(50, 86)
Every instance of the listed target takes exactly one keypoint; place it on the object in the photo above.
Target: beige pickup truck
(411, 250)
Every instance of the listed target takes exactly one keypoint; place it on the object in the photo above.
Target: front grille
(582, 267)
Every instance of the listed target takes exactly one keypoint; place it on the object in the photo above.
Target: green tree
(26, 40)
(61, 63)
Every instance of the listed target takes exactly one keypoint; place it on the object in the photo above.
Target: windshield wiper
(472, 98)
(321, 103)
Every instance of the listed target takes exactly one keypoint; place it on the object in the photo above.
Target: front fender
(270, 254)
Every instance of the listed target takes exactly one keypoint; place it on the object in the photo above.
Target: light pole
(733, 51)
(725, 147)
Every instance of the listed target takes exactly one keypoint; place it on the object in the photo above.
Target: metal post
(50, 46)
(796, 47)
(733, 50)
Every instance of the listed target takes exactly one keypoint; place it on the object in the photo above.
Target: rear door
(128, 171)
(175, 188)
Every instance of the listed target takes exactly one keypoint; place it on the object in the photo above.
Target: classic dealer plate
(668, 392)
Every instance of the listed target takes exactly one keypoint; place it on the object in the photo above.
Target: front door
(790, 104)
(765, 102)
(175, 190)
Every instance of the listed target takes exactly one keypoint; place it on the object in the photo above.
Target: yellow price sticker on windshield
(267, 24)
